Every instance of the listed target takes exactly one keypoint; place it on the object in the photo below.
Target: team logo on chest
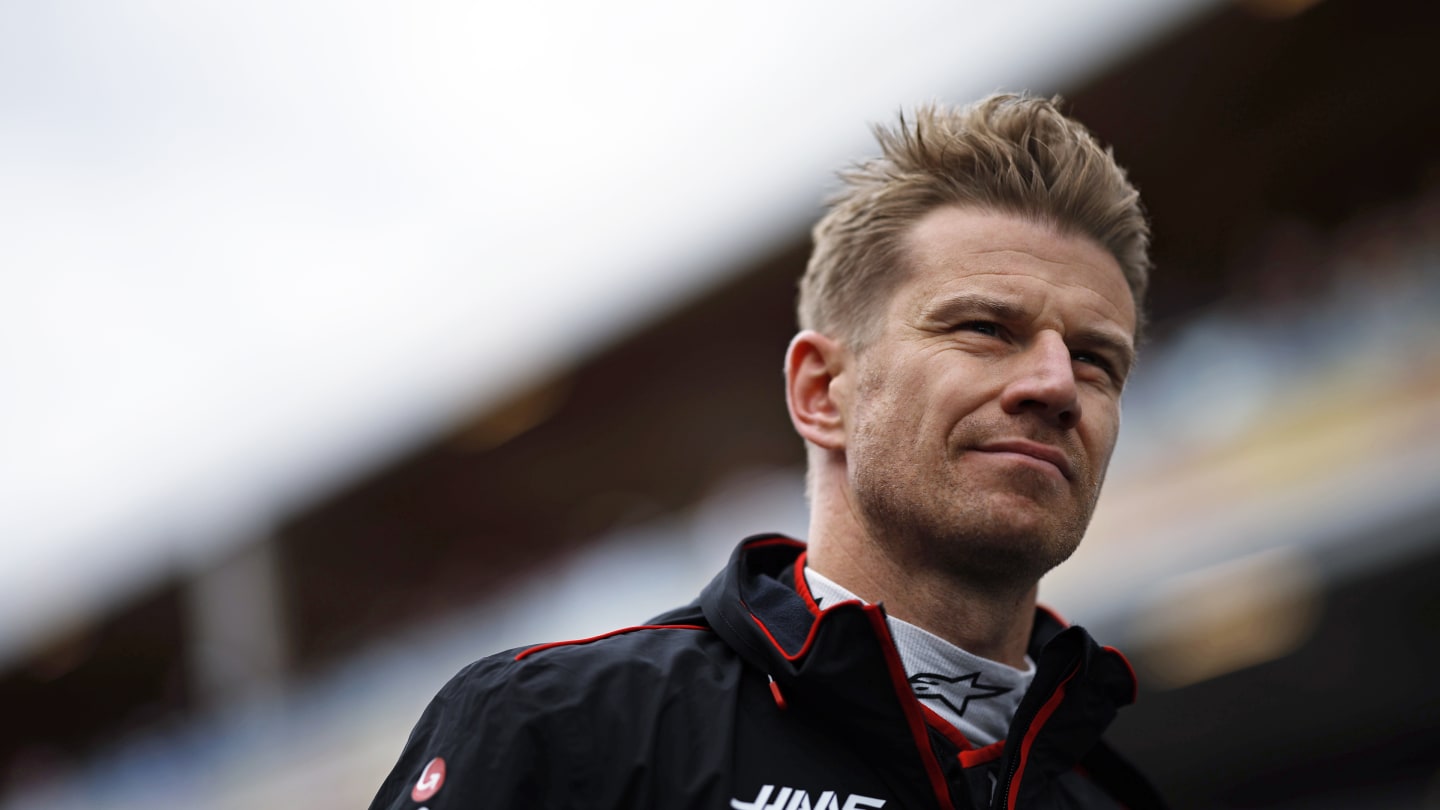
(772, 797)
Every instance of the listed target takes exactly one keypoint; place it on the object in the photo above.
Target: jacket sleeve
(502, 744)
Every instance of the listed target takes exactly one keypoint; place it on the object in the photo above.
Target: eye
(1096, 360)
(982, 327)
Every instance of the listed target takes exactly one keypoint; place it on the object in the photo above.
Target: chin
(994, 535)
(1020, 544)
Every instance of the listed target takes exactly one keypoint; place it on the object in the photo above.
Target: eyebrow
(953, 306)
(1111, 341)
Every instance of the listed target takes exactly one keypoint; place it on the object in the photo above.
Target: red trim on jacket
(802, 585)
(1049, 611)
(540, 647)
(980, 756)
(777, 540)
(945, 727)
(1035, 725)
(1134, 681)
(909, 706)
(804, 648)
(969, 755)
(809, 637)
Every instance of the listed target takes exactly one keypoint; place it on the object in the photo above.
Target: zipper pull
(775, 692)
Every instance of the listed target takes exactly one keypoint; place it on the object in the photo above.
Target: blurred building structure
(1267, 549)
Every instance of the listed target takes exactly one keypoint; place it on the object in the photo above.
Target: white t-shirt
(974, 694)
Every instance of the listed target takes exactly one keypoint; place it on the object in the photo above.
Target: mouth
(1039, 454)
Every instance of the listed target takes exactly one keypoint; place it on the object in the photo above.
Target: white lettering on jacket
(789, 798)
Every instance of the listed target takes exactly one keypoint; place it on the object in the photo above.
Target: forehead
(955, 250)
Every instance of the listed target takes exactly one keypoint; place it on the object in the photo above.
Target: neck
(993, 625)
(990, 619)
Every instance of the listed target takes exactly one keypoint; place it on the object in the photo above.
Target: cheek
(957, 390)
(892, 413)
(907, 395)
(1103, 430)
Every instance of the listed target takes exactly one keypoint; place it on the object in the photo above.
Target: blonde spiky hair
(1006, 153)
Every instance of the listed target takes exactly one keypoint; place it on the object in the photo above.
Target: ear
(814, 388)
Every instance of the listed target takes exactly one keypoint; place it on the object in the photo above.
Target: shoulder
(628, 660)
(525, 724)
(665, 638)
(549, 677)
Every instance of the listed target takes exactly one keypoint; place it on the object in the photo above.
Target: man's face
(982, 416)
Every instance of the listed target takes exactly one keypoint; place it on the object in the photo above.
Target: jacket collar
(845, 656)
(838, 668)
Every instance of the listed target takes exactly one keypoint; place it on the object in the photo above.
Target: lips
(1037, 450)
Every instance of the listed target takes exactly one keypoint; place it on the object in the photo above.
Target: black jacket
(749, 699)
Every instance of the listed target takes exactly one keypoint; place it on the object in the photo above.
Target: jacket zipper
(1001, 801)
(1004, 795)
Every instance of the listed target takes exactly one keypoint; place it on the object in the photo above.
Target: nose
(1044, 383)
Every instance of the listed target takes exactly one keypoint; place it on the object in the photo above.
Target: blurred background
(344, 343)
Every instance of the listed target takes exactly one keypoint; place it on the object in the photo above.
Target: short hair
(1006, 153)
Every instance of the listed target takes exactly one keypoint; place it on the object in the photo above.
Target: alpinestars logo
(788, 798)
(930, 686)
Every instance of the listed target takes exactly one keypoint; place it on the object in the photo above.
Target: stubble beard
(983, 532)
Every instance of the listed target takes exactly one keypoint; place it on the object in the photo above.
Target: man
(968, 318)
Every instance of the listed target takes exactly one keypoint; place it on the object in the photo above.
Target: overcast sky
(247, 249)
